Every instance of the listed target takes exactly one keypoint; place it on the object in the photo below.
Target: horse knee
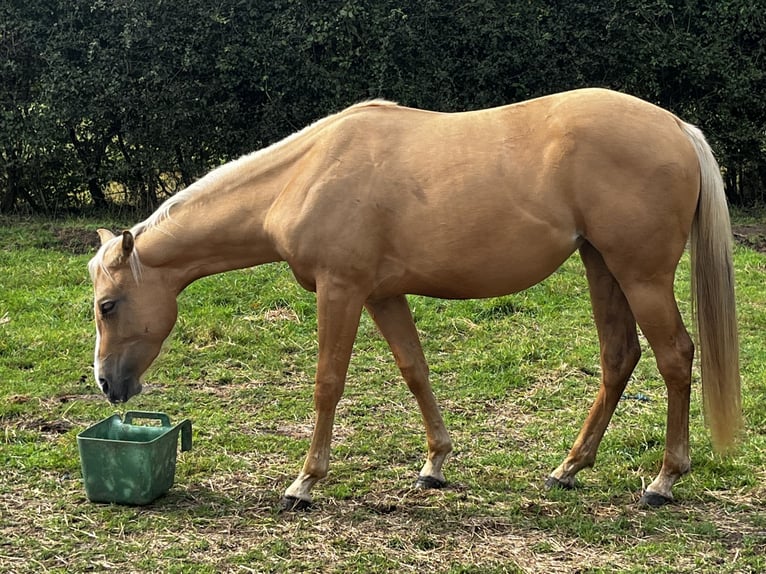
(415, 375)
(327, 394)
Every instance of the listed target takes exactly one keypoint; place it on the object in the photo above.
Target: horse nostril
(104, 385)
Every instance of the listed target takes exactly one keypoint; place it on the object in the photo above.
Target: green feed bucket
(128, 463)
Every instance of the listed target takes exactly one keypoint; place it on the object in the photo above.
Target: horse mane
(163, 211)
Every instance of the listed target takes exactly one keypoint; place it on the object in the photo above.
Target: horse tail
(713, 303)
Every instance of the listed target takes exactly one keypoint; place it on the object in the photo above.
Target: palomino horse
(379, 201)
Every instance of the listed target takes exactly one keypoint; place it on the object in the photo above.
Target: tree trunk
(91, 161)
(97, 193)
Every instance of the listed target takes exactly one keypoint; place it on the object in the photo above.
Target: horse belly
(477, 267)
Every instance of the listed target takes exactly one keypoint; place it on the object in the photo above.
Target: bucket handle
(184, 425)
(162, 417)
(186, 435)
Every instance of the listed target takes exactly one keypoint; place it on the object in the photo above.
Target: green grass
(514, 376)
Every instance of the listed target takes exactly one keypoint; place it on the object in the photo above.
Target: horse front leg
(394, 319)
(338, 313)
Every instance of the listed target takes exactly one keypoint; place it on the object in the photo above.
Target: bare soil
(752, 235)
(76, 240)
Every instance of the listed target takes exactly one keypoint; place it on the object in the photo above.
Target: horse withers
(379, 201)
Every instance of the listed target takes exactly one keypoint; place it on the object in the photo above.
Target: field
(514, 377)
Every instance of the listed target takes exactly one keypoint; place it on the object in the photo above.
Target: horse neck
(218, 226)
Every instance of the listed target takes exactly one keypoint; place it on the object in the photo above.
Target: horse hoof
(553, 482)
(429, 482)
(654, 499)
(294, 504)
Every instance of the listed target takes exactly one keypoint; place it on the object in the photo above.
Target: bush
(124, 102)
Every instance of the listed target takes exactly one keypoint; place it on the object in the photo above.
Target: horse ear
(105, 235)
(127, 243)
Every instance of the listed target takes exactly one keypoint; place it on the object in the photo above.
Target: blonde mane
(163, 212)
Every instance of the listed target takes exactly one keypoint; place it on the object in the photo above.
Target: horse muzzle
(121, 391)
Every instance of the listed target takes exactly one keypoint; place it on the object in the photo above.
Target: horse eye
(107, 307)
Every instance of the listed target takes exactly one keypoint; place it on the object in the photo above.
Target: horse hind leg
(655, 308)
(394, 320)
(620, 352)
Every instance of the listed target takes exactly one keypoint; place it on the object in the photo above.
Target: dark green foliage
(121, 103)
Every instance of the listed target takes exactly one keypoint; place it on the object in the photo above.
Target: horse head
(135, 309)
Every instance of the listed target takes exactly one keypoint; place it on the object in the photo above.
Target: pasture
(514, 377)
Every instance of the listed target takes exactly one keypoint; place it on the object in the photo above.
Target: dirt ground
(753, 235)
(76, 240)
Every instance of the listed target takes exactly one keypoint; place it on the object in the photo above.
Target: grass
(514, 376)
